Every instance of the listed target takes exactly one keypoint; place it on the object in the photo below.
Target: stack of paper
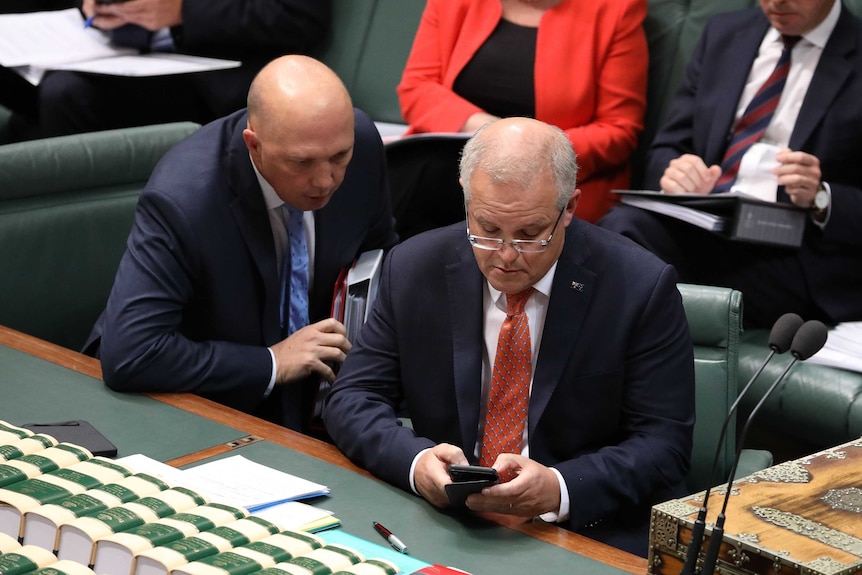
(843, 347)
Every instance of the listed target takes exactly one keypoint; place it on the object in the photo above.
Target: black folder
(736, 216)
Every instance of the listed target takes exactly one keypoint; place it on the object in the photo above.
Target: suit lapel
(252, 219)
(571, 293)
(835, 66)
(464, 292)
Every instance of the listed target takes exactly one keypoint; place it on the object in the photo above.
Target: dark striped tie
(756, 117)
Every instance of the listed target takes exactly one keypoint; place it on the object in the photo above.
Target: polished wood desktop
(254, 428)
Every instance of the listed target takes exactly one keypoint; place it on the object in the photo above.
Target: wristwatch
(821, 202)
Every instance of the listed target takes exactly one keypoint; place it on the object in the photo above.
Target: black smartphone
(462, 473)
(467, 479)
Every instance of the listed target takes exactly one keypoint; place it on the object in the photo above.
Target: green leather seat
(66, 208)
(714, 318)
(368, 49)
(816, 406)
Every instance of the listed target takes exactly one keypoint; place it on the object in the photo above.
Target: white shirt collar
(543, 286)
(271, 198)
(819, 35)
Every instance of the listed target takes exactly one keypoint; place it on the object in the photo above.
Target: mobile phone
(467, 479)
(462, 473)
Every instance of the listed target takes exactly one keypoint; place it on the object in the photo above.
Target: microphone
(780, 338)
(808, 340)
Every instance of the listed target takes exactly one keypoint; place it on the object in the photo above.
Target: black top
(499, 77)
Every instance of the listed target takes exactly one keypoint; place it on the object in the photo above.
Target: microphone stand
(715, 539)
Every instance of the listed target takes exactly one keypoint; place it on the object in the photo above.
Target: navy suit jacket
(829, 126)
(196, 297)
(612, 400)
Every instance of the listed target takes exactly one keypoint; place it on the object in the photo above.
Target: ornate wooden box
(802, 517)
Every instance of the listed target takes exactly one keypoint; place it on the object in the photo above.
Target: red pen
(396, 543)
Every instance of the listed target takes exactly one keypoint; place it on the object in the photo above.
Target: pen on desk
(396, 543)
(89, 21)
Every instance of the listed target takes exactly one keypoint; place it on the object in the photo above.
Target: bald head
(519, 150)
(295, 89)
(300, 130)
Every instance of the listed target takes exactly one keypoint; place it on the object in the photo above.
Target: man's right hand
(308, 351)
(431, 473)
(688, 174)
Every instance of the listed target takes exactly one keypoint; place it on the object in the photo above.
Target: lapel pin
(578, 286)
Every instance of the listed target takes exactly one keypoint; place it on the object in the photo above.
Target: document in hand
(734, 215)
(35, 42)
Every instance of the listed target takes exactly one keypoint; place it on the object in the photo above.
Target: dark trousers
(770, 278)
(72, 102)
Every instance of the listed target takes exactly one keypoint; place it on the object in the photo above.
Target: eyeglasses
(523, 246)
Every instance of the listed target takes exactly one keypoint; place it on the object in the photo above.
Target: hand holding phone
(467, 479)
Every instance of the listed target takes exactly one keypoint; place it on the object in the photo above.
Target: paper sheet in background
(755, 177)
(843, 347)
(32, 43)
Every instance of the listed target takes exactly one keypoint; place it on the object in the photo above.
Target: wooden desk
(272, 433)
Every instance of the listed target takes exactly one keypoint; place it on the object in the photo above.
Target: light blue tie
(294, 274)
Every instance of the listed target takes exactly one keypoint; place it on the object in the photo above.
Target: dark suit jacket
(196, 297)
(829, 126)
(252, 32)
(612, 402)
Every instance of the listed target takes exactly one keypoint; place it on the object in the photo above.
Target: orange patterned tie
(509, 395)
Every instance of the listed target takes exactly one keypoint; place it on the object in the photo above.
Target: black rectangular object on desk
(77, 432)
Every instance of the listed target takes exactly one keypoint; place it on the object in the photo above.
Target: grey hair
(553, 151)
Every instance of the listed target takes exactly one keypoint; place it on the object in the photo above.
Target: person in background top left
(252, 31)
(199, 296)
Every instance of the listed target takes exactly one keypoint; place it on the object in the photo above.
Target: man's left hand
(150, 14)
(533, 491)
(800, 175)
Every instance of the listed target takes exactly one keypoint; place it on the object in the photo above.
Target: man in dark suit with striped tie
(799, 94)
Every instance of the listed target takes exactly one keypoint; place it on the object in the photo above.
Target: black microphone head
(783, 331)
(810, 338)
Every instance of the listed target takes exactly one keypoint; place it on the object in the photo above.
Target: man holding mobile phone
(526, 341)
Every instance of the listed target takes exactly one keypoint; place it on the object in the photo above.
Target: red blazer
(590, 74)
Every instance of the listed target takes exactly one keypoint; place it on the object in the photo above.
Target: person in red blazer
(588, 72)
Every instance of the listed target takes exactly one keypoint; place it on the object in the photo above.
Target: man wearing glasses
(529, 341)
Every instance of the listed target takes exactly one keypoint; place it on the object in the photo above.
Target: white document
(241, 482)
(152, 64)
(35, 42)
(233, 480)
(755, 177)
(293, 514)
(693, 216)
(843, 347)
(45, 39)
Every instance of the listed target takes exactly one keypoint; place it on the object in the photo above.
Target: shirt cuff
(271, 383)
(562, 513)
(413, 469)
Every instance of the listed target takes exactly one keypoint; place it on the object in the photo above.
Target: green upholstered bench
(714, 317)
(66, 208)
(368, 49)
(817, 407)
